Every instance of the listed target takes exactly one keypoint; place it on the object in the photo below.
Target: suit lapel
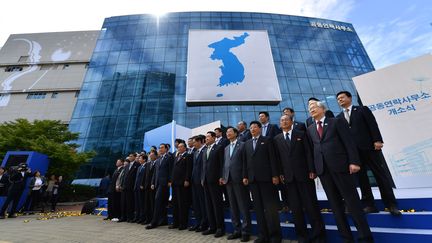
(325, 127)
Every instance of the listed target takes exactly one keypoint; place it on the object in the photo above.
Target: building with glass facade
(136, 79)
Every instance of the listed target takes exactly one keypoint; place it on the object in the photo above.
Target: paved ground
(91, 228)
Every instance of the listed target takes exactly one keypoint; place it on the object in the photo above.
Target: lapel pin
(262, 142)
(325, 124)
(299, 139)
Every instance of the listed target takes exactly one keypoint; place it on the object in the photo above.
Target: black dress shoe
(193, 228)
(394, 211)
(209, 232)
(107, 218)
(182, 227)
(12, 216)
(150, 226)
(2, 217)
(370, 209)
(234, 235)
(173, 226)
(245, 238)
(260, 240)
(219, 233)
(200, 229)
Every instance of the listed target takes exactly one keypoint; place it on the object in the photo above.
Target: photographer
(17, 179)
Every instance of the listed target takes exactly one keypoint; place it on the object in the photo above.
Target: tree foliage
(47, 137)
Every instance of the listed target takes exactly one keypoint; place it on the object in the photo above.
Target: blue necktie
(232, 148)
(254, 143)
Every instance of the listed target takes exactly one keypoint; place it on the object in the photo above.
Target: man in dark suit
(199, 205)
(149, 193)
(288, 111)
(17, 179)
(211, 173)
(161, 182)
(310, 120)
(220, 139)
(181, 178)
(365, 132)
(268, 129)
(336, 160)
(238, 194)
(114, 195)
(4, 182)
(261, 173)
(292, 148)
(139, 189)
(128, 189)
(190, 146)
(243, 132)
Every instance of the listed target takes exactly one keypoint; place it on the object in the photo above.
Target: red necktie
(320, 129)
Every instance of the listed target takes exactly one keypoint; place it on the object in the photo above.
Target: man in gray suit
(238, 194)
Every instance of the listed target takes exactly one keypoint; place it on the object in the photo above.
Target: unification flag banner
(400, 98)
(226, 66)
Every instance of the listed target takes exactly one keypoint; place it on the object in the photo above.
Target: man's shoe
(200, 229)
(12, 216)
(370, 209)
(245, 238)
(182, 227)
(209, 232)
(394, 211)
(150, 226)
(260, 240)
(193, 228)
(173, 226)
(234, 235)
(107, 218)
(2, 217)
(219, 233)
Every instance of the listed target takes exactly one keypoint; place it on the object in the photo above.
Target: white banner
(400, 98)
(230, 66)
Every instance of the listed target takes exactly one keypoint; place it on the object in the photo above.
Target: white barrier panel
(400, 98)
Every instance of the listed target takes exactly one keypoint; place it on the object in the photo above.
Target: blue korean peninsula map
(232, 69)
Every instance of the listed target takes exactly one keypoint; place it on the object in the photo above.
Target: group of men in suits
(259, 159)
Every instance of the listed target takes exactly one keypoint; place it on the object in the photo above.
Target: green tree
(47, 137)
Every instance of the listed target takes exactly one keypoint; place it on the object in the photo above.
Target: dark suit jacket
(112, 186)
(140, 177)
(4, 184)
(182, 169)
(363, 127)
(328, 114)
(212, 167)
(149, 172)
(336, 148)
(299, 126)
(295, 157)
(272, 130)
(233, 165)
(197, 166)
(129, 177)
(163, 170)
(243, 137)
(223, 142)
(259, 165)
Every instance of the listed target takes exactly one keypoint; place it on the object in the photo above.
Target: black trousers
(340, 190)
(13, 196)
(114, 205)
(35, 199)
(149, 199)
(266, 203)
(214, 206)
(375, 161)
(160, 208)
(181, 203)
(239, 199)
(199, 206)
(302, 195)
(139, 204)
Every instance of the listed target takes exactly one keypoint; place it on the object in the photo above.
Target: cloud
(397, 40)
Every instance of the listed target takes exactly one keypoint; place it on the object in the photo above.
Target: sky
(392, 31)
